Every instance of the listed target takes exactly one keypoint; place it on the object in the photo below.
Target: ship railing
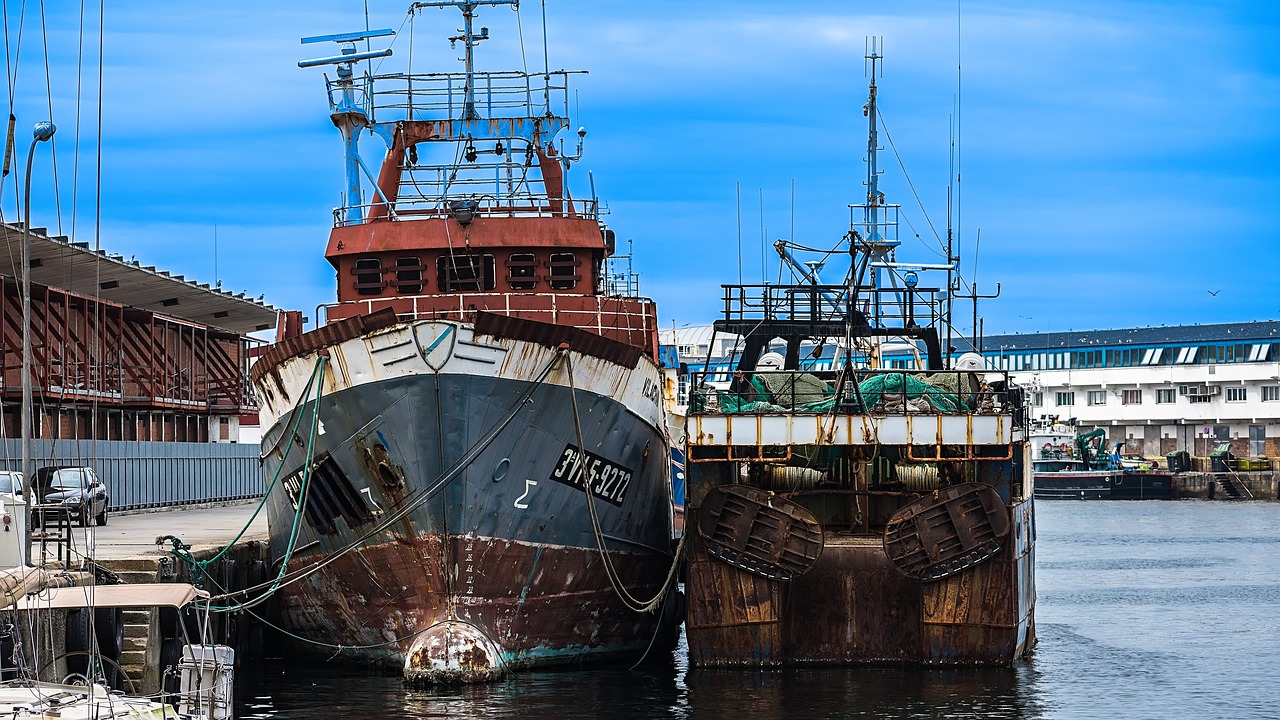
(484, 207)
(426, 96)
(632, 320)
(824, 304)
(982, 420)
(876, 225)
(856, 392)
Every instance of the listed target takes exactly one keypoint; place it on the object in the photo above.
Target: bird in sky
(1213, 292)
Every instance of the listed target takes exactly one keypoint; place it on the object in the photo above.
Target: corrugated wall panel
(154, 474)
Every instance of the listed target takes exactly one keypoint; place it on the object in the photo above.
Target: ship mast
(469, 41)
(873, 247)
(350, 110)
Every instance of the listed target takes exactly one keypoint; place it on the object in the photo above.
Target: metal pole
(42, 131)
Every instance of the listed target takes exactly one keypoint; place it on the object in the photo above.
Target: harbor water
(1146, 610)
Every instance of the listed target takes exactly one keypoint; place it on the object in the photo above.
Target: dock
(133, 536)
(1243, 485)
(126, 551)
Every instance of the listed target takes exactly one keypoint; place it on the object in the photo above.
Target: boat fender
(109, 630)
(78, 641)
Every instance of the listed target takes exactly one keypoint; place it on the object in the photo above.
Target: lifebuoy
(1047, 446)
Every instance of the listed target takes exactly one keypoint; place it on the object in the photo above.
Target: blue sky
(1121, 159)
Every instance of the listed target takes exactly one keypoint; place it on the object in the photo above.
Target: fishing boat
(474, 475)
(860, 514)
(1072, 465)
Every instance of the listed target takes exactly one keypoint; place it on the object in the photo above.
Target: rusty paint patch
(757, 531)
(951, 530)
(539, 605)
(376, 462)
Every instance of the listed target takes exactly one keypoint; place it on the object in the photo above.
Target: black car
(77, 489)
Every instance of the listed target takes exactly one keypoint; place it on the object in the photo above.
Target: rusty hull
(854, 606)
(393, 604)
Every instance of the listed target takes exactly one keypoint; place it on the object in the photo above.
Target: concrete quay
(148, 641)
(1255, 485)
(133, 535)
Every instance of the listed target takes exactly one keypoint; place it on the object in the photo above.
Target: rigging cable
(910, 184)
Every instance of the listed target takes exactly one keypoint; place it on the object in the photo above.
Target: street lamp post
(41, 132)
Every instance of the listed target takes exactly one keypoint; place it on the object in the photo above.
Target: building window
(521, 271)
(465, 273)
(1065, 398)
(409, 275)
(1197, 398)
(368, 272)
(563, 269)
(1270, 393)
(1037, 399)
(1132, 397)
(1166, 396)
(1097, 397)
(1237, 394)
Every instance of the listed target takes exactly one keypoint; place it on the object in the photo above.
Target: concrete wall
(1263, 485)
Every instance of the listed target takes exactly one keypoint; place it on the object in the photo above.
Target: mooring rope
(632, 603)
(182, 550)
(414, 502)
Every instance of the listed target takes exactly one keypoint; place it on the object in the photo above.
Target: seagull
(1213, 292)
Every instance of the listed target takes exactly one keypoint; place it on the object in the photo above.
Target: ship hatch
(947, 531)
(757, 531)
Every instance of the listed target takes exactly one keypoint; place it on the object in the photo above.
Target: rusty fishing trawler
(842, 511)
(428, 443)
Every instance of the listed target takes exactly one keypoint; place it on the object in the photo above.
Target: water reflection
(287, 690)
(870, 692)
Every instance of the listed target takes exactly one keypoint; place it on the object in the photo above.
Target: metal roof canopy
(1244, 333)
(59, 263)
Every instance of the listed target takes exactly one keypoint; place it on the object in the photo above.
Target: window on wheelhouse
(522, 271)
(563, 273)
(409, 275)
(368, 272)
(465, 273)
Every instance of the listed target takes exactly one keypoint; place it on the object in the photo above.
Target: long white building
(1186, 387)
(1162, 389)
